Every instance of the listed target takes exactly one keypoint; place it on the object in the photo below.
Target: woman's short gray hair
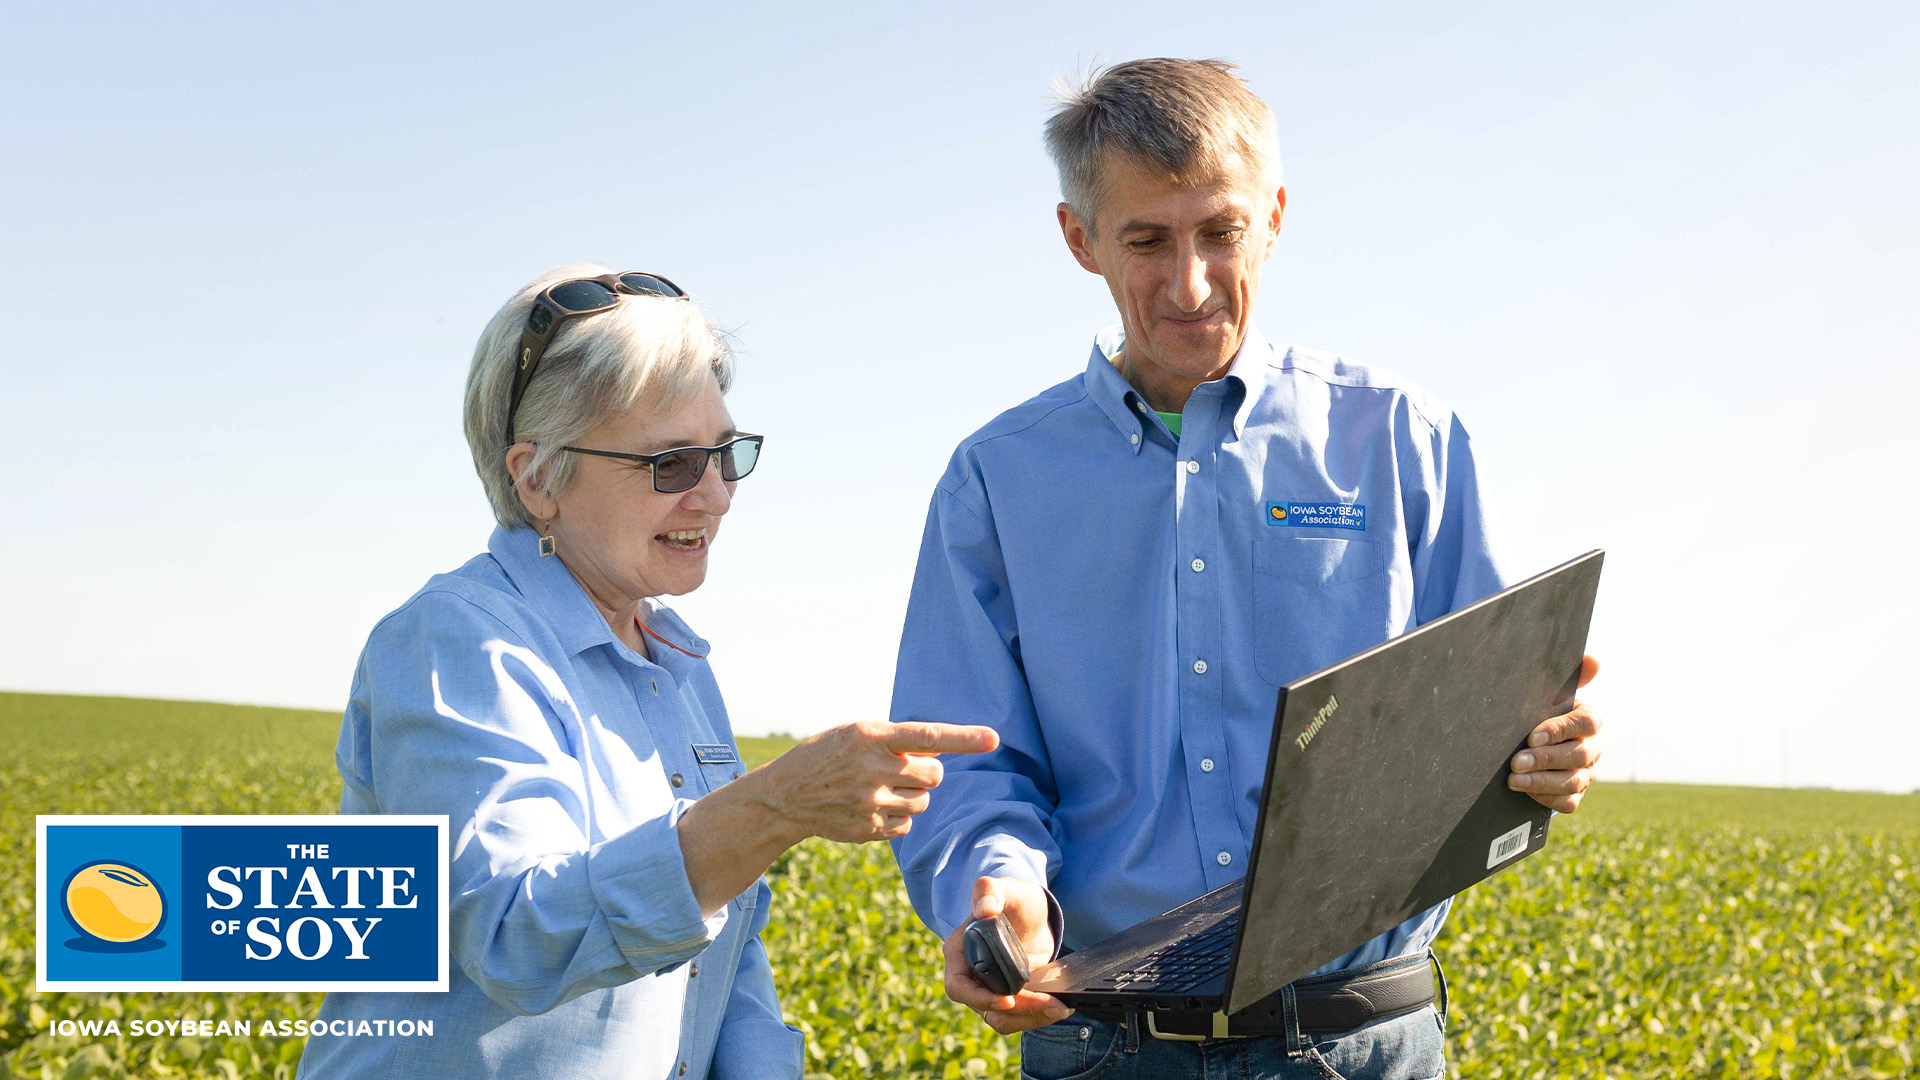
(597, 367)
(1192, 117)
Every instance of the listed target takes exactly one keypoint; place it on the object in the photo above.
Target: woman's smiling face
(622, 539)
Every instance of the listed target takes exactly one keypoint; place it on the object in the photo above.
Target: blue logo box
(253, 903)
(1320, 515)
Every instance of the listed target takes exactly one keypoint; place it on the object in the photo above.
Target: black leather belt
(1328, 1005)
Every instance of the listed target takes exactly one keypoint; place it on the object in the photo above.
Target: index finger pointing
(926, 738)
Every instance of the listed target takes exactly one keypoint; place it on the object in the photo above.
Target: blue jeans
(1408, 1047)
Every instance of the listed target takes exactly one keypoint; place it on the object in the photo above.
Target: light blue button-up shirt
(498, 696)
(1123, 606)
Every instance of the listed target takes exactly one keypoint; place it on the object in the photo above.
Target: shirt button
(1193, 466)
(1199, 565)
(1135, 440)
(1224, 858)
(693, 969)
(683, 1068)
(1206, 764)
(1199, 667)
(678, 780)
(1141, 406)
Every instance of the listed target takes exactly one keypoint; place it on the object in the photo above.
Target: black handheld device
(995, 955)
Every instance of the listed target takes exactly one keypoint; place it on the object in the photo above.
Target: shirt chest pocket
(719, 764)
(1317, 600)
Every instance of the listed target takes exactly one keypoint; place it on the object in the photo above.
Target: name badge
(714, 754)
(1323, 515)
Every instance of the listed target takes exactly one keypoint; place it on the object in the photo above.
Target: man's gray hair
(1190, 117)
(597, 367)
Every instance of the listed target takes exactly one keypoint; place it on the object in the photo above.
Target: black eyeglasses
(680, 469)
(563, 300)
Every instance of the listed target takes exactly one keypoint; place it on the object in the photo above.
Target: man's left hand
(1557, 765)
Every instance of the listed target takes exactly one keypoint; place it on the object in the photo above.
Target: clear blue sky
(1663, 258)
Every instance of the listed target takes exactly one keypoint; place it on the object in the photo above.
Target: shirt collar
(1129, 411)
(550, 589)
(687, 649)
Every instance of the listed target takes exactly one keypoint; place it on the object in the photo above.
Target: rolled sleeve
(959, 664)
(640, 883)
(453, 714)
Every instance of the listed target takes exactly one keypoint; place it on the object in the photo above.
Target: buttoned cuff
(1008, 857)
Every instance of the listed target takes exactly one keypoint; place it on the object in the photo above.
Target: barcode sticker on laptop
(1508, 844)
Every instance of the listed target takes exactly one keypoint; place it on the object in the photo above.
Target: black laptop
(1386, 793)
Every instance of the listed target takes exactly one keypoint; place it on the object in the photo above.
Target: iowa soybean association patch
(1318, 515)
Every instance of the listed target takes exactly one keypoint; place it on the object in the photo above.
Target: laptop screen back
(1386, 783)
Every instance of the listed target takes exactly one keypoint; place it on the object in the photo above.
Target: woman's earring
(546, 543)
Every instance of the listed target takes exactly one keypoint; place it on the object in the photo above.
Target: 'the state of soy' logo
(242, 903)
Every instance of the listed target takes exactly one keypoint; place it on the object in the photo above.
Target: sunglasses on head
(564, 300)
(680, 469)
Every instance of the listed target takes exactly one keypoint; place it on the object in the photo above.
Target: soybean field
(1666, 931)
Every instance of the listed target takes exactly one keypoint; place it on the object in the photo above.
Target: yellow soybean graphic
(114, 902)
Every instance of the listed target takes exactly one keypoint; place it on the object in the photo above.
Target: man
(1102, 580)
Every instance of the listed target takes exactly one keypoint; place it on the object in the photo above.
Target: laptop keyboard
(1183, 965)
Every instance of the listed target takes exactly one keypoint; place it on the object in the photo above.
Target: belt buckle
(1219, 1030)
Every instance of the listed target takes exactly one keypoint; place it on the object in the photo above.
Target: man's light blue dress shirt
(1123, 606)
(498, 696)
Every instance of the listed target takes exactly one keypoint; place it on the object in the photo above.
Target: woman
(606, 848)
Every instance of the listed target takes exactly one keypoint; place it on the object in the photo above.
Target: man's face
(1183, 264)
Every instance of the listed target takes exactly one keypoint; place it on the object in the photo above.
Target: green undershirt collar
(1171, 419)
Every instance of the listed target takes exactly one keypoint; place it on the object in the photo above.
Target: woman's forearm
(854, 783)
(731, 836)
